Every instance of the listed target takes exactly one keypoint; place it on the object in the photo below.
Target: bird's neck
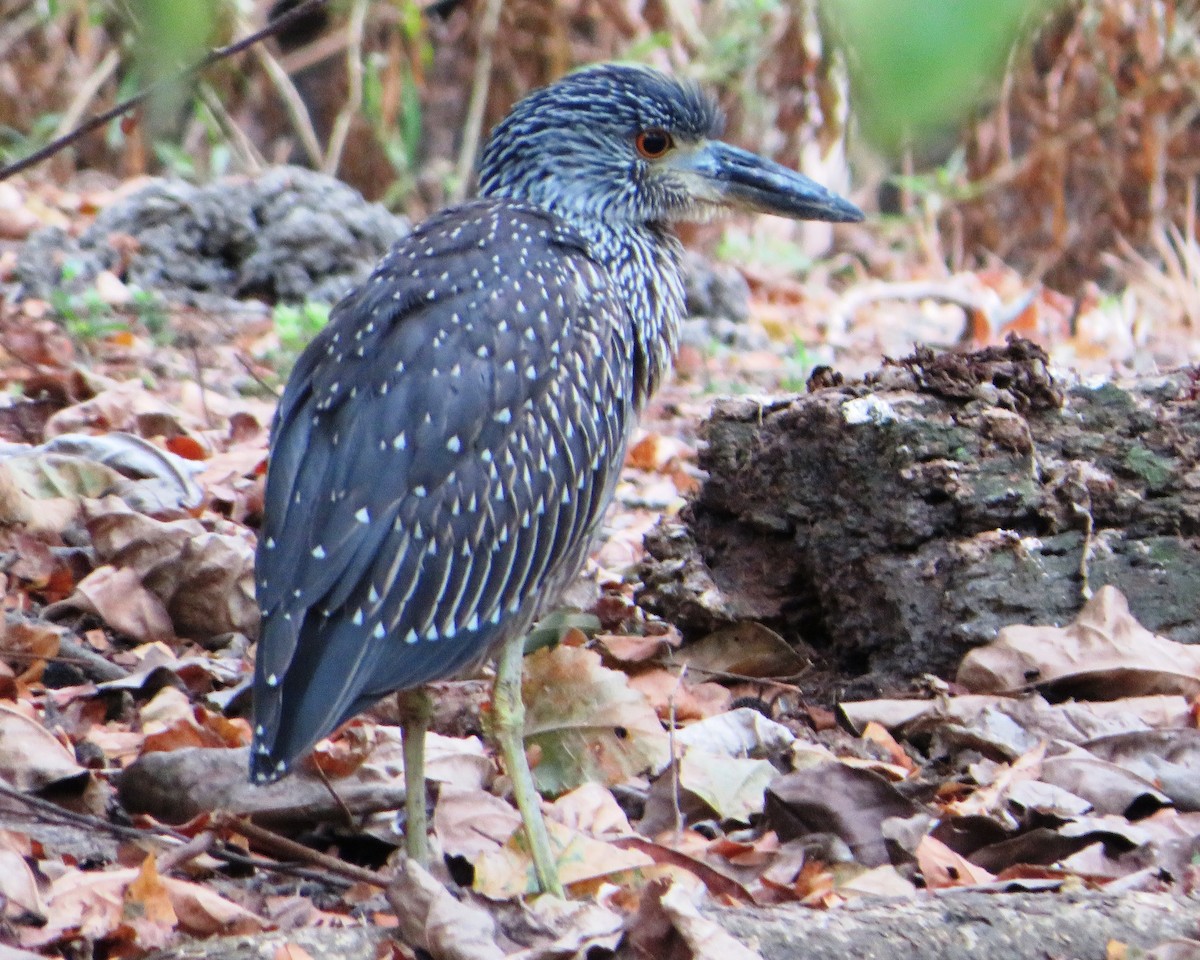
(644, 260)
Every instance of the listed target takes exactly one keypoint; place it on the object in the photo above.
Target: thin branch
(293, 103)
(354, 96)
(251, 160)
(214, 56)
(473, 127)
(87, 92)
(284, 846)
(53, 813)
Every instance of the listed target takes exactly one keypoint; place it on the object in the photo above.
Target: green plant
(296, 324)
(87, 317)
(84, 314)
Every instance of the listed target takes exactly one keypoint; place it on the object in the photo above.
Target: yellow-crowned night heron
(447, 445)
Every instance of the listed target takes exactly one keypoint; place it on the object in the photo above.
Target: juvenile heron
(447, 445)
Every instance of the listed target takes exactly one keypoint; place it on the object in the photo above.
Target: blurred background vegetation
(1060, 137)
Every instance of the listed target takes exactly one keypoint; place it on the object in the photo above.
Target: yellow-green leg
(415, 711)
(508, 727)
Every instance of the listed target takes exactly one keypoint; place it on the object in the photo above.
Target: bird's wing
(442, 449)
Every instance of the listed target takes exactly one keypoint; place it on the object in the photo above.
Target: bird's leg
(415, 711)
(508, 727)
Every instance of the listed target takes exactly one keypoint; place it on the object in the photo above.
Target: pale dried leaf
(746, 649)
(568, 928)
(20, 899)
(508, 872)
(706, 939)
(470, 823)
(738, 733)
(31, 758)
(158, 480)
(681, 700)
(1104, 655)
(731, 786)
(147, 907)
(203, 579)
(591, 809)
(203, 912)
(291, 951)
(432, 919)
(118, 598)
(942, 867)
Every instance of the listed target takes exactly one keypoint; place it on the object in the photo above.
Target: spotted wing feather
(440, 459)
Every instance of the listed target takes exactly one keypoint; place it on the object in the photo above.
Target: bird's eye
(654, 143)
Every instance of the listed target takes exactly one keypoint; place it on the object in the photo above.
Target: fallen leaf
(732, 787)
(508, 871)
(119, 599)
(147, 907)
(432, 919)
(291, 951)
(834, 798)
(92, 904)
(668, 924)
(20, 899)
(590, 809)
(942, 867)
(746, 649)
(32, 758)
(470, 823)
(203, 579)
(682, 701)
(620, 648)
(587, 721)
(743, 732)
(1104, 655)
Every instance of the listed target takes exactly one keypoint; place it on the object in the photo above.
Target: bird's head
(628, 144)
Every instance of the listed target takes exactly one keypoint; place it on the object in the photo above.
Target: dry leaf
(746, 649)
(291, 951)
(588, 722)
(120, 600)
(743, 732)
(147, 907)
(20, 899)
(1104, 655)
(732, 787)
(204, 578)
(942, 867)
(470, 823)
(433, 920)
(31, 758)
(508, 872)
(666, 913)
(681, 701)
(835, 798)
(591, 809)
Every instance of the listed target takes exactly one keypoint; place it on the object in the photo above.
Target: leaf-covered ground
(131, 473)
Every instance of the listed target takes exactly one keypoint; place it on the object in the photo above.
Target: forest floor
(135, 438)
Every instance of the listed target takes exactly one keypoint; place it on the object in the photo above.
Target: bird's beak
(737, 178)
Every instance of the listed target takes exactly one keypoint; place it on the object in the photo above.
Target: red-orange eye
(654, 143)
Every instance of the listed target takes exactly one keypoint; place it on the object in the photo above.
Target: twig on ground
(284, 846)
